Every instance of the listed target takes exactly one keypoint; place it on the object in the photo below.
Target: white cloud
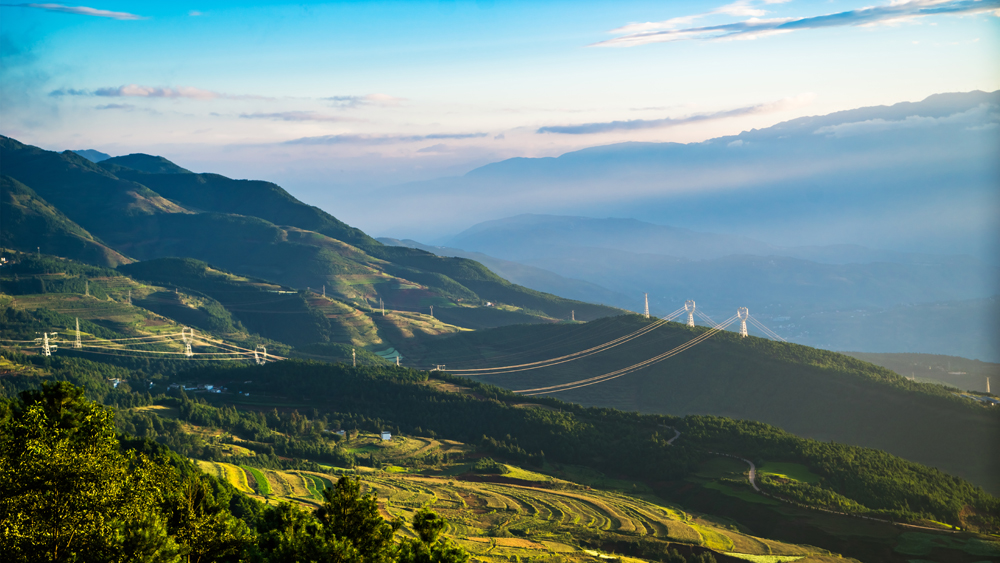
(754, 27)
(367, 100)
(351, 139)
(78, 10)
(633, 124)
(740, 8)
(139, 91)
(979, 117)
(296, 116)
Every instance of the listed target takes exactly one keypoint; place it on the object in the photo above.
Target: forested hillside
(806, 391)
(662, 454)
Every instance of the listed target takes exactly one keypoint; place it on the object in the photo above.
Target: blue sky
(349, 95)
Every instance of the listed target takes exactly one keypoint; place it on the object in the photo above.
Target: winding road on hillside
(753, 483)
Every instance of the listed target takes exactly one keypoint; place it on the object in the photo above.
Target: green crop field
(794, 471)
(263, 487)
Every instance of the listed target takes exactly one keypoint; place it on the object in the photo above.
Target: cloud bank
(379, 139)
(977, 118)
(296, 116)
(79, 10)
(754, 28)
(367, 100)
(634, 124)
(137, 91)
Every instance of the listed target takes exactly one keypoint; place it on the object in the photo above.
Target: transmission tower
(382, 305)
(743, 313)
(86, 288)
(572, 315)
(432, 312)
(187, 335)
(646, 295)
(397, 361)
(128, 301)
(76, 343)
(47, 346)
(987, 384)
(260, 354)
(689, 307)
(324, 291)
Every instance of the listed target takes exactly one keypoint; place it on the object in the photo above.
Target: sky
(338, 98)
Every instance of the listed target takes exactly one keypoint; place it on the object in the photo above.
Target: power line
(568, 357)
(766, 330)
(630, 369)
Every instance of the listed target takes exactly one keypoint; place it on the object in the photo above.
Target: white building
(386, 436)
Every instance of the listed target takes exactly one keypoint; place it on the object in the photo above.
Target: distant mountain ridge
(142, 163)
(516, 236)
(916, 177)
(528, 276)
(92, 155)
(840, 297)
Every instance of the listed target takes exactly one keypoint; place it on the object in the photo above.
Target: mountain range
(142, 207)
(916, 177)
(839, 297)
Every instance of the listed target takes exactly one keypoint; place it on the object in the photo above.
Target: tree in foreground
(67, 493)
(348, 528)
(70, 491)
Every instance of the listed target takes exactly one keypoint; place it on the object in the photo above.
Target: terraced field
(300, 487)
(476, 510)
(351, 325)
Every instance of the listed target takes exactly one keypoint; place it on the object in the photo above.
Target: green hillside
(257, 229)
(28, 223)
(809, 392)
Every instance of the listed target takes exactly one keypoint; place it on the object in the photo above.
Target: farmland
(522, 513)
(496, 521)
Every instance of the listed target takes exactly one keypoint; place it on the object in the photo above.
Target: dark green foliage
(119, 165)
(16, 324)
(627, 444)
(210, 315)
(71, 491)
(29, 263)
(28, 222)
(810, 392)
(487, 465)
(855, 479)
(347, 515)
(215, 193)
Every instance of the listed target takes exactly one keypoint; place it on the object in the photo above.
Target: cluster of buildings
(200, 388)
